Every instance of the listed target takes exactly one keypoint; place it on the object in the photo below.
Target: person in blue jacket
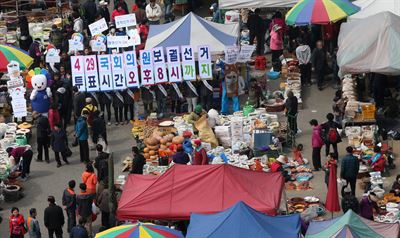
(82, 133)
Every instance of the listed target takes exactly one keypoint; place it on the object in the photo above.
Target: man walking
(84, 202)
(319, 63)
(69, 203)
(53, 218)
(82, 133)
(42, 136)
(349, 169)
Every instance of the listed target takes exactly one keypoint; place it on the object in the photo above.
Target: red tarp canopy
(185, 189)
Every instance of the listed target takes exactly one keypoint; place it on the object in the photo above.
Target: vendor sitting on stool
(277, 166)
(396, 186)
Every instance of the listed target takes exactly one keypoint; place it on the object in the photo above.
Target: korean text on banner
(188, 63)
(117, 41)
(205, 65)
(231, 54)
(131, 70)
(19, 107)
(125, 20)
(78, 72)
(118, 72)
(105, 73)
(174, 64)
(160, 69)
(146, 67)
(91, 76)
(245, 53)
(98, 27)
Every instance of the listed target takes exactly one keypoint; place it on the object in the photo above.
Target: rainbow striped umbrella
(307, 12)
(9, 53)
(140, 230)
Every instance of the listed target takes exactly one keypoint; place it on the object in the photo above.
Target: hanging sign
(231, 54)
(245, 53)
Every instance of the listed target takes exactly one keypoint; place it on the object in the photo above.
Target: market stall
(376, 51)
(184, 189)
(229, 223)
(351, 225)
(372, 7)
(201, 32)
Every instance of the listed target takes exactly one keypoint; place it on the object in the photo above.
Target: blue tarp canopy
(241, 220)
(195, 31)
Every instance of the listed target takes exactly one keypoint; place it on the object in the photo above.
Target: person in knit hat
(200, 154)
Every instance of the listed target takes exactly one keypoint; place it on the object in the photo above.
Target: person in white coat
(303, 54)
(153, 12)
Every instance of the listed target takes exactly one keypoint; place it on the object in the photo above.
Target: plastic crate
(368, 112)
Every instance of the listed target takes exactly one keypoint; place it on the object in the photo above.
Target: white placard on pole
(78, 72)
(98, 27)
(117, 41)
(125, 20)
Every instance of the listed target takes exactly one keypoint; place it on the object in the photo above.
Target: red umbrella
(332, 198)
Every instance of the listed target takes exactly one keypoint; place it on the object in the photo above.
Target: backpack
(332, 135)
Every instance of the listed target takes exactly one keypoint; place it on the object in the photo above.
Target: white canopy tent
(237, 4)
(372, 7)
(365, 46)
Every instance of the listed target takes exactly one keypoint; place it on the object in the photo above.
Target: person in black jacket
(42, 136)
(59, 144)
(53, 218)
(291, 109)
(101, 165)
(90, 11)
(84, 202)
(69, 203)
(257, 28)
(181, 157)
(79, 231)
(103, 11)
(128, 105)
(78, 102)
(331, 135)
(138, 161)
(118, 105)
(105, 105)
(349, 169)
(319, 63)
(349, 201)
(99, 128)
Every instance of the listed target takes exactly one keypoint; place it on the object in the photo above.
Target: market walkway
(46, 179)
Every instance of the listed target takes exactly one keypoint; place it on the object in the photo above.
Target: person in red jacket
(377, 161)
(119, 11)
(200, 154)
(17, 224)
(54, 116)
